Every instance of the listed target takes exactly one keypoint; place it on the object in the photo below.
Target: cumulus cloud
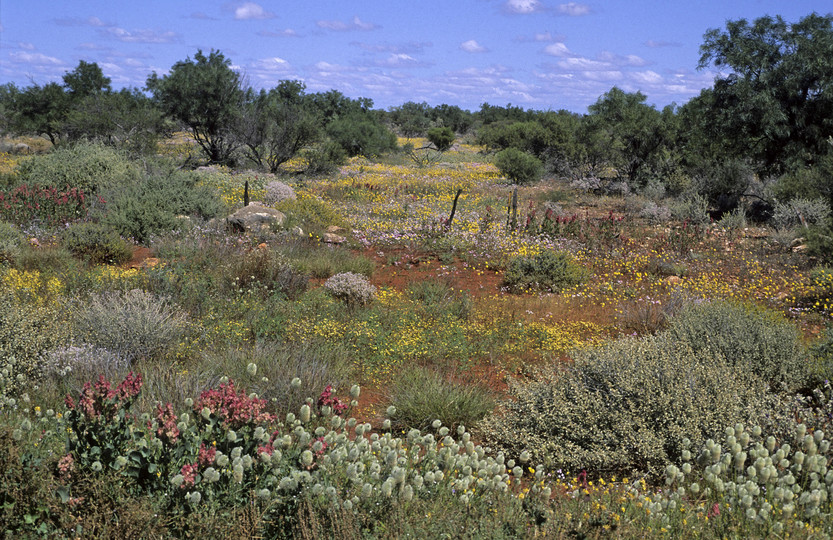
(37, 59)
(141, 36)
(26, 46)
(573, 9)
(558, 49)
(341, 26)
(395, 48)
(522, 6)
(646, 77)
(77, 21)
(274, 63)
(472, 46)
(250, 10)
(288, 32)
(623, 60)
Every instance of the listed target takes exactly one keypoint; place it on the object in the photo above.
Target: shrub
(26, 333)
(96, 243)
(655, 213)
(691, 208)
(310, 213)
(518, 166)
(324, 158)
(154, 203)
(624, 406)
(441, 137)
(734, 220)
(86, 362)
(754, 340)
(421, 396)
(86, 166)
(360, 136)
(277, 191)
(43, 205)
(353, 289)
(323, 261)
(264, 270)
(133, 324)
(547, 271)
(800, 212)
(439, 297)
(12, 242)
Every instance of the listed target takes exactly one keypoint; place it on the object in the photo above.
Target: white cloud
(558, 49)
(37, 59)
(26, 46)
(288, 32)
(272, 64)
(573, 9)
(141, 36)
(657, 44)
(522, 6)
(583, 64)
(250, 10)
(646, 77)
(619, 60)
(472, 46)
(341, 26)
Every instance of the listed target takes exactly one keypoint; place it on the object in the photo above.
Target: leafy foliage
(518, 166)
(97, 243)
(546, 271)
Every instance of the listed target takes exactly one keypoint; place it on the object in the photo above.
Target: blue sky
(534, 53)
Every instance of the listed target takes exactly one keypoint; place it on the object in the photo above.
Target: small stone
(331, 238)
(335, 229)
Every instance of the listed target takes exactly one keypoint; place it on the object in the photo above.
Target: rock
(673, 280)
(800, 249)
(797, 242)
(253, 217)
(298, 231)
(22, 148)
(150, 262)
(331, 238)
(335, 229)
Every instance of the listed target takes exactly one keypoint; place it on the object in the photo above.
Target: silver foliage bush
(352, 288)
(278, 191)
(788, 215)
(132, 324)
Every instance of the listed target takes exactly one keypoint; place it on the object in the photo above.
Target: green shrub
(12, 242)
(321, 262)
(361, 136)
(422, 395)
(820, 241)
(133, 324)
(439, 297)
(625, 406)
(754, 340)
(26, 334)
(96, 243)
(91, 167)
(324, 158)
(547, 271)
(264, 270)
(441, 137)
(518, 166)
(692, 208)
(309, 212)
(154, 203)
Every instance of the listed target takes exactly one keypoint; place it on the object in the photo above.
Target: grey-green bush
(96, 243)
(754, 340)
(132, 324)
(11, 242)
(547, 271)
(624, 407)
(91, 167)
(353, 289)
(421, 395)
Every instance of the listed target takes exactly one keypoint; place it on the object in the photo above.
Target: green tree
(411, 118)
(775, 105)
(276, 125)
(441, 137)
(631, 131)
(518, 166)
(41, 110)
(206, 95)
(85, 80)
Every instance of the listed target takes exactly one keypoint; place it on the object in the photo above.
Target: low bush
(624, 407)
(86, 166)
(155, 203)
(12, 242)
(276, 191)
(311, 213)
(27, 332)
(438, 298)
(422, 395)
(133, 324)
(352, 289)
(691, 208)
(547, 271)
(324, 158)
(323, 261)
(263, 270)
(44, 206)
(518, 166)
(800, 212)
(755, 341)
(96, 243)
